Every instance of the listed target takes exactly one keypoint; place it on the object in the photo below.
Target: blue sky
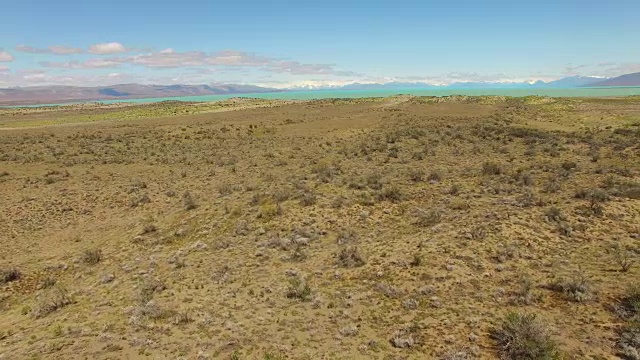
(286, 43)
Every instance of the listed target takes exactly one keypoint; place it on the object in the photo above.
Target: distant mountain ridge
(566, 82)
(623, 80)
(61, 94)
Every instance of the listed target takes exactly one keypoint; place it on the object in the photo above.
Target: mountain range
(65, 94)
(62, 94)
(567, 82)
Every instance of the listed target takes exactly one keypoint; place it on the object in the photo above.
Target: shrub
(269, 211)
(569, 165)
(350, 257)
(624, 258)
(147, 288)
(416, 175)
(629, 310)
(564, 229)
(392, 194)
(454, 190)
(417, 260)
(140, 200)
(91, 257)
(282, 194)
(528, 179)
(189, 202)
(491, 168)
(298, 254)
(552, 186)
(149, 228)
(346, 236)
(554, 214)
(50, 301)
(308, 198)
(478, 233)
(374, 181)
(629, 307)
(524, 295)
(576, 288)
(9, 275)
(427, 218)
(524, 337)
(225, 189)
(435, 176)
(298, 289)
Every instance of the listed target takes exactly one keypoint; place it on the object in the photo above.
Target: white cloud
(297, 68)
(56, 50)
(169, 58)
(5, 56)
(64, 50)
(107, 48)
(89, 64)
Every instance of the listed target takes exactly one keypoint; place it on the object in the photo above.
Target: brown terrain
(399, 228)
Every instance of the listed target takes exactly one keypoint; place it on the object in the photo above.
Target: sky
(282, 44)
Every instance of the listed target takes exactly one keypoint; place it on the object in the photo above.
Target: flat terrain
(398, 228)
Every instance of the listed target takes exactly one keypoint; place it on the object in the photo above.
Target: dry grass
(370, 228)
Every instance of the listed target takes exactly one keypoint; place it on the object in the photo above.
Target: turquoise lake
(326, 94)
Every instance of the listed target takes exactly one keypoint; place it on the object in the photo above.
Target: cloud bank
(168, 66)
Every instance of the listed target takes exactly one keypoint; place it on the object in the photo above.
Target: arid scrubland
(398, 228)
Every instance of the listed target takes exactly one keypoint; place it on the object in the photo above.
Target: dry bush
(524, 337)
(554, 214)
(491, 168)
(350, 257)
(91, 256)
(427, 218)
(346, 236)
(49, 301)
(9, 275)
(624, 257)
(435, 176)
(225, 189)
(628, 308)
(188, 201)
(374, 181)
(392, 194)
(147, 288)
(308, 198)
(416, 175)
(298, 289)
(577, 288)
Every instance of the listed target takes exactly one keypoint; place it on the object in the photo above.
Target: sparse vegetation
(251, 222)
